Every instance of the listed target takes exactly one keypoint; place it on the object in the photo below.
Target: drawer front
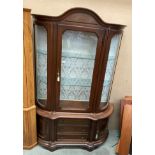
(72, 137)
(77, 129)
(73, 125)
(74, 122)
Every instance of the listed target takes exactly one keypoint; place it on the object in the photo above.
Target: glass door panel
(41, 63)
(110, 69)
(77, 64)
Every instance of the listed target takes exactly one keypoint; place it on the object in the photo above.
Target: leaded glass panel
(77, 64)
(41, 61)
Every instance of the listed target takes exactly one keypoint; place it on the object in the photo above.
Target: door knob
(58, 77)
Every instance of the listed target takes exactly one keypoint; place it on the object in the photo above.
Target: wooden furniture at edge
(29, 108)
(63, 122)
(124, 145)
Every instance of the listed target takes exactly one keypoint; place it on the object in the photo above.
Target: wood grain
(126, 100)
(29, 126)
(126, 132)
(28, 89)
(92, 116)
(29, 108)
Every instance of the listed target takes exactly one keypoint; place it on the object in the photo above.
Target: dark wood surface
(74, 123)
(100, 34)
(93, 116)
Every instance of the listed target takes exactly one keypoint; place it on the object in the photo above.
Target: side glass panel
(41, 63)
(77, 64)
(112, 58)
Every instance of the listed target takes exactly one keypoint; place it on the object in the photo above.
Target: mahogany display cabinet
(75, 59)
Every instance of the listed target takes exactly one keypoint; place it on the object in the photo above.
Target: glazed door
(77, 68)
(108, 69)
(43, 61)
(40, 32)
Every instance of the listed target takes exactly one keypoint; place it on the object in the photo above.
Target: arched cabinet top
(79, 15)
(79, 38)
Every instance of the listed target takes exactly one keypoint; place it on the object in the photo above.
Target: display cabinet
(75, 59)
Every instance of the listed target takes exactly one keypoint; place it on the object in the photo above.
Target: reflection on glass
(77, 64)
(112, 58)
(41, 61)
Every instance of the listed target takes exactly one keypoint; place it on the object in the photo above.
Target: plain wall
(112, 11)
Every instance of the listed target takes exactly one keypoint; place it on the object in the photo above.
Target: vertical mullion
(49, 69)
(58, 38)
(98, 69)
(102, 69)
(93, 130)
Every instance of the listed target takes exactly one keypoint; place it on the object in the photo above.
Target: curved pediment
(80, 15)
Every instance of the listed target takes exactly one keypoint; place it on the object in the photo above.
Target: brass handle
(58, 77)
(96, 137)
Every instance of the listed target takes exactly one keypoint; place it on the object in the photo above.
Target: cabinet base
(89, 146)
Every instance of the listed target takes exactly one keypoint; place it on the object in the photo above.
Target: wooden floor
(108, 148)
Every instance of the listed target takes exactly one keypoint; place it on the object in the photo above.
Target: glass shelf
(75, 93)
(77, 68)
(77, 54)
(42, 79)
(75, 82)
(41, 51)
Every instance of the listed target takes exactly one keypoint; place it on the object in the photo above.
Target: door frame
(100, 33)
